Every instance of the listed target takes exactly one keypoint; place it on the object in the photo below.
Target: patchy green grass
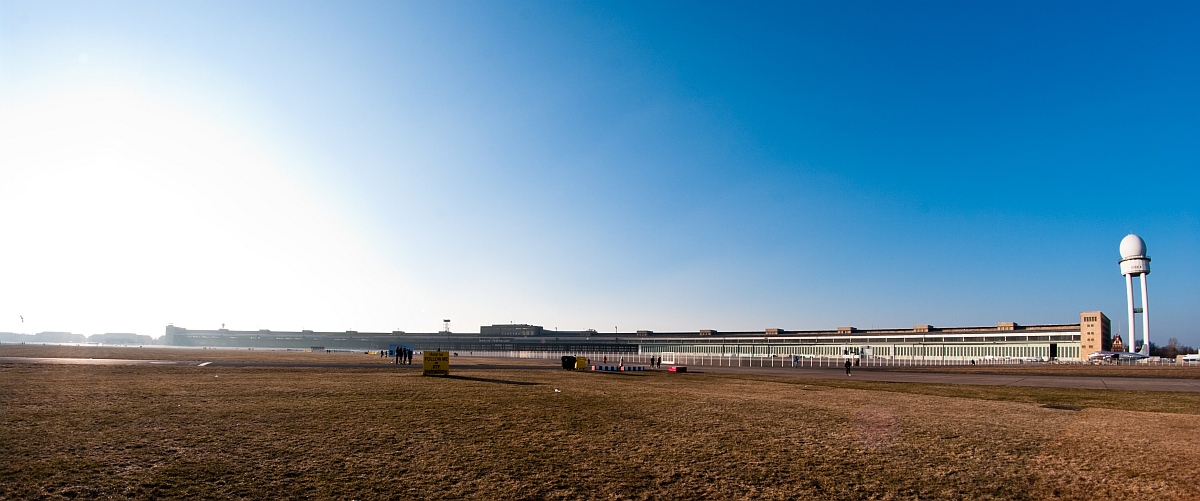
(173, 432)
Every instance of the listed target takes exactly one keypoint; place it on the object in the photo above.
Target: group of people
(404, 355)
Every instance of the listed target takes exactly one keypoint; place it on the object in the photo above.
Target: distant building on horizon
(923, 342)
(112, 338)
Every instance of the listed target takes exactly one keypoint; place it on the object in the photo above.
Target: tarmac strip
(285, 365)
(89, 361)
(1083, 382)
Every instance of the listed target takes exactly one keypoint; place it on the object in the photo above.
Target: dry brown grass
(1142, 401)
(152, 432)
(1096, 370)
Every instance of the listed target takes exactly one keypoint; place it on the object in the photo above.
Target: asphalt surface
(872, 374)
(283, 365)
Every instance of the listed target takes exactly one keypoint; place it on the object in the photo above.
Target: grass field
(1189, 371)
(153, 432)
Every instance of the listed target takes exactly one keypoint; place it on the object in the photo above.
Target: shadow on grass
(1063, 407)
(621, 373)
(489, 380)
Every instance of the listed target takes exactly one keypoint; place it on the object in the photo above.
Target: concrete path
(89, 361)
(871, 374)
(284, 365)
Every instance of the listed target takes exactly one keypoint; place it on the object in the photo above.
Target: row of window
(1039, 351)
(899, 340)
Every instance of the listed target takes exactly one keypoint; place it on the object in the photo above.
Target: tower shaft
(1145, 315)
(1130, 312)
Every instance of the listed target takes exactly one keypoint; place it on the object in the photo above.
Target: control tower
(1135, 263)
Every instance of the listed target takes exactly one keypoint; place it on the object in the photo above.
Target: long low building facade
(926, 343)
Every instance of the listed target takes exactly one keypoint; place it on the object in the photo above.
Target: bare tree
(1171, 350)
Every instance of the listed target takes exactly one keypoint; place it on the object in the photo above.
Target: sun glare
(120, 209)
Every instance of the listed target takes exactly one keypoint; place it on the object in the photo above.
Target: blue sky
(663, 166)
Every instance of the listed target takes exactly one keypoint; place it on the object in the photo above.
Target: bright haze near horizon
(606, 165)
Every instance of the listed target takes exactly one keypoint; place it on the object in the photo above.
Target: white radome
(1132, 246)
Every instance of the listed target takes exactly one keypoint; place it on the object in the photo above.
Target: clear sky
(605, 165)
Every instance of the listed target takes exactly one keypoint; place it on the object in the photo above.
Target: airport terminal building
(919, 344)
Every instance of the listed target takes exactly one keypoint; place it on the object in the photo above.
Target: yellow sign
(581, 363)
(437, 363)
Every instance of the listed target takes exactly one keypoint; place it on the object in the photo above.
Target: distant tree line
(67, 337)
(1171, 350)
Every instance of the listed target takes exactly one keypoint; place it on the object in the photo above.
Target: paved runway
(89, 361)
(285, 365)
(873, 374)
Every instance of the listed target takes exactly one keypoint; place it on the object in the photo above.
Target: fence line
(780, 361)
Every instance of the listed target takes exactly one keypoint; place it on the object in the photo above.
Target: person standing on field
(847, 367)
